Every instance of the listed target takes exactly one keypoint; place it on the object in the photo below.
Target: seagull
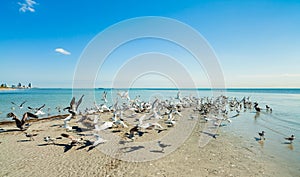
(72, 138)
(262, 134)
(104, 126)
(20, 123)
(258, 109)
(104, 96)
(21, 105)
(38, 111)
(98, 141)
(30, 136)
(178, 96)
(132, 132)
(268, 108)
(124, 95)
(66, 120)
(48, 139)
(291, 138)
(74, 106)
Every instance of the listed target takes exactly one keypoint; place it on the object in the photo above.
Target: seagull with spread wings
(21, 123)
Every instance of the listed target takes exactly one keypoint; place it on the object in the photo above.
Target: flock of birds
(136, 117)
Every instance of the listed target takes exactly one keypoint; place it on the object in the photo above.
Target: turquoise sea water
(282, 122)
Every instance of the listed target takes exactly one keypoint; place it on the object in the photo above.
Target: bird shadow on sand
(214, 135)
(157, 151)
(132, 148)
(87, 143)
(116, 131)
(67, 147)
(23, 141)
(11, 130)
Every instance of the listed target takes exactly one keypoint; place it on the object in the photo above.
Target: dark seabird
(20, 123)
(291, 138)
(262, 134)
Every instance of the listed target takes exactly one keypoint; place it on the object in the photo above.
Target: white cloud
(28, 5)
(62, 51)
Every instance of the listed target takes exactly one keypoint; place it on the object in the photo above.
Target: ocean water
(282, 122)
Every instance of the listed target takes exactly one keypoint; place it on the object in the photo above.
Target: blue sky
(256, 42)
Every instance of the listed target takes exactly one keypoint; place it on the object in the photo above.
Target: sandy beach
(224, 156)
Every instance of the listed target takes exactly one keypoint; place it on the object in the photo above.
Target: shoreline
(224, 156)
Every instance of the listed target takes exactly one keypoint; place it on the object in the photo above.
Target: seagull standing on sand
(74, 140)
(49, 140)
(262, 135)
(30, 136)
(291, 138)
(258, 109)
(20, 123)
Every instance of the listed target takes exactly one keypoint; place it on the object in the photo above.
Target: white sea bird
(124, 95)
(62, 51)
(74, 106)
(104, 126)
(148, 125)
(178, 96)
(37, 111)
(66, 120)
(104, 96)
(98, 141)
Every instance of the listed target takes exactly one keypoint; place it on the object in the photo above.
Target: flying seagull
(21, 105)
(74, 106)
(98, 141)
(37, 111)
(20, 123)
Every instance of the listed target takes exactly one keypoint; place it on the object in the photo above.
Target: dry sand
(224, 156)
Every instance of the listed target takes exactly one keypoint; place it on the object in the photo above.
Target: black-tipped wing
(14, 103)
(23, 103)
(41, 107)
(30, 108)
(79, 102)
(28, 114)
(72, 102)
(11, 115)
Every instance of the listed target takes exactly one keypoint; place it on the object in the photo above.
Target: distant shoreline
(10, 88)
(7, 89)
